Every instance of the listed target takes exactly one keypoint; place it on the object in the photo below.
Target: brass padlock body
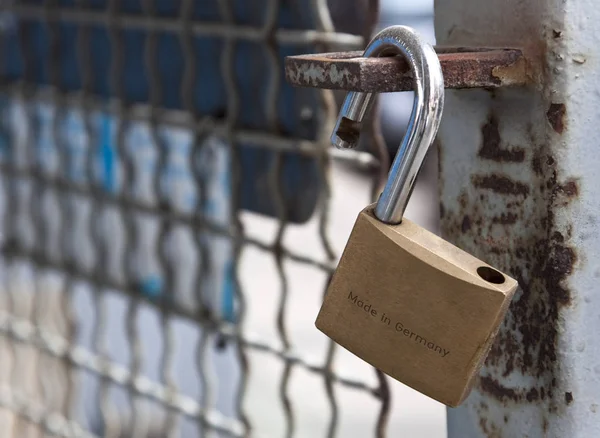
(415, 306)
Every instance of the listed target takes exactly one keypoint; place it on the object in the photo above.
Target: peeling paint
(341, 76)
(311, 74)
(519, 72)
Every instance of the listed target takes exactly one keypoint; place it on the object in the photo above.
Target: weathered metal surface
(518, 176)
(462, 67)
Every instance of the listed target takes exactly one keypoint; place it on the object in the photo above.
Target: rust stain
(536, 165)
(539, 162)
(483, 424)
(542, 261)
(570, 189)
(463, 199)
(541, 264)
(559, 266)
(490, 430)
(500, 184)
(505, 219)
(510, 347)
(556, 116)
(498, 391)
(532, 395)
(466, 224)
(491, 148)
(568, 398)
(536, 309)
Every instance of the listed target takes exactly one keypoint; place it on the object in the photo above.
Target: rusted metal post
(519, 175)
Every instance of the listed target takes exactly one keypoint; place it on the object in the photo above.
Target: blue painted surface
(299, 177)
(152, 287)
(107, 155)
(228, 299)
(5, 131)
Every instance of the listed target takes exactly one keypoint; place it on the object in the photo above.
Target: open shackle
(422, 125)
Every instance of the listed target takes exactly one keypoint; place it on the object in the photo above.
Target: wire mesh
(78, 214)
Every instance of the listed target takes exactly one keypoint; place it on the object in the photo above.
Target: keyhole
(490, 275)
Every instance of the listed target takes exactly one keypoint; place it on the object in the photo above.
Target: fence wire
(72, 220)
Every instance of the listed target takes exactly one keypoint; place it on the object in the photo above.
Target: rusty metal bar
(463, 67)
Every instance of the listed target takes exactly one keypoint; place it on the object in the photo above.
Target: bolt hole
(490, 275)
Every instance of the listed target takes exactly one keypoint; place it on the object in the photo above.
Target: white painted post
(520, 170)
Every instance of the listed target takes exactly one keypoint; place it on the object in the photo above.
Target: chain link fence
(132, 136)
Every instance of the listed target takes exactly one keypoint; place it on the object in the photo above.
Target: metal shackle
(423, 123)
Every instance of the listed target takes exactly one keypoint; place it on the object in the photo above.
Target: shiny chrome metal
(423, 123)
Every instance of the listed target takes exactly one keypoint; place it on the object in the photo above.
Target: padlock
(404, 300)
